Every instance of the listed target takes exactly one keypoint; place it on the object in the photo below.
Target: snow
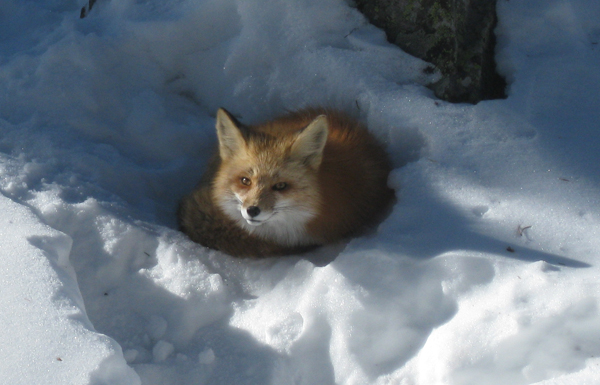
(485, 272)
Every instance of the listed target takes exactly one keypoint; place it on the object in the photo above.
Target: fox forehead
(266, 157)
(267, 148)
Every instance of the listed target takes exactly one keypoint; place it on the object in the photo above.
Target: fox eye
(280, 186)
(245, 181)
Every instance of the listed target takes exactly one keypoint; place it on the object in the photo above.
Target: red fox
(306, 179)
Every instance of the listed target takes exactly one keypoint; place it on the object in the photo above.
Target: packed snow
(485, 272)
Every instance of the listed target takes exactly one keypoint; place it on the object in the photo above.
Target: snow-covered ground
(486, 271)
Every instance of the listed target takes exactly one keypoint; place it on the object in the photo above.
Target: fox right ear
(309, 144)
(231, 139)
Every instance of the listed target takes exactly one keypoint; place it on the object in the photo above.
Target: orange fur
(288, 185)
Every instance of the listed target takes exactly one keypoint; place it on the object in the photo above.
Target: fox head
(268, 183)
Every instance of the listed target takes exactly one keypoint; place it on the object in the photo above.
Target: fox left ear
(308, 146)
(231, 138)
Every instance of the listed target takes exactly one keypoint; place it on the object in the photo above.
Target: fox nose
(253, 211)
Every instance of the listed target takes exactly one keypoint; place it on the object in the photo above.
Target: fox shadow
(440, 227)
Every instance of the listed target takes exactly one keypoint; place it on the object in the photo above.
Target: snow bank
(46, 335)
(485, 272)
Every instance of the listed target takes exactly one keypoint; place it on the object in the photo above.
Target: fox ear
(231, 139)
(308, 146)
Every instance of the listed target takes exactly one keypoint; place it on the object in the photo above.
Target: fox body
(303, 180)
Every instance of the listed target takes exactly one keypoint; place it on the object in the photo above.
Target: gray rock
(457, 36)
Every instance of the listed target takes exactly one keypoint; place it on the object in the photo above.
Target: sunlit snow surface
(486, 271)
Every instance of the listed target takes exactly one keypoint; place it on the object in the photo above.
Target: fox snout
(253, 211)
(254, 215)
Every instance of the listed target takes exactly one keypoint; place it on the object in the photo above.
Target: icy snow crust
(486, 271)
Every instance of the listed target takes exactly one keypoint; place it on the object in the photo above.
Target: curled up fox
(306, 179)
